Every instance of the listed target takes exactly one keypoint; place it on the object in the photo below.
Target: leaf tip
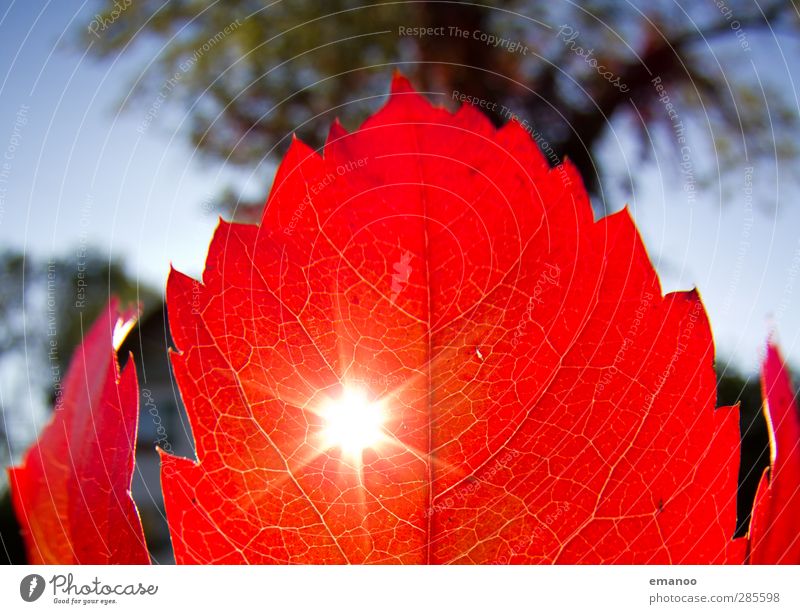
(401, 84)
(335, 133)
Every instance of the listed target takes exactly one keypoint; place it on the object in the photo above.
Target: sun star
(353, 423)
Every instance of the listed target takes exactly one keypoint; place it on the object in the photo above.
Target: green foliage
(250, 73)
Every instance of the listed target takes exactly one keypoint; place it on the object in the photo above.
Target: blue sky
(81, 174)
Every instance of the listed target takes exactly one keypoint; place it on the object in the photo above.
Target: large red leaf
(775, 525)
(543, 401)
(72, 492)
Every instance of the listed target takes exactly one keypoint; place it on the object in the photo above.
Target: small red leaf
(775, 525)
(541, 400)
(72, 492)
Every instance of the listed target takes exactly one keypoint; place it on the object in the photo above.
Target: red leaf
(543, 402)
(72, 492)
(775, 525)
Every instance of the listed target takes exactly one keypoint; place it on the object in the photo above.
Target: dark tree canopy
(249, 73)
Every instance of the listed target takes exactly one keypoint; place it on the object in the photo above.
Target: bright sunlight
(353, 423)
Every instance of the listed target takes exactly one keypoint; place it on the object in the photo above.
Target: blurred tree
(250, 72)
(46, 305)
(82, 289)
(14, 270)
